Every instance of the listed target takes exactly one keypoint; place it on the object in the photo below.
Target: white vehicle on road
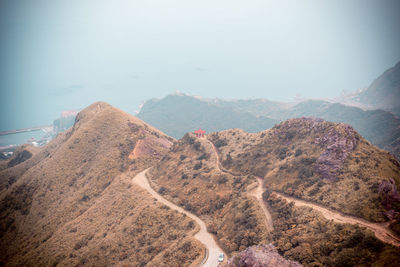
(221, 257)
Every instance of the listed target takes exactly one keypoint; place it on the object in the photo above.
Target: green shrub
(197, 145)
(298, 152)
(190, 140)
(305, 172)
(162, 190)
(395, 227)
(308, 161)
(220, 142)
(282, 153)
(203, 156)
(187, 246)
(222, 179)
(372, 243)
(198, 166)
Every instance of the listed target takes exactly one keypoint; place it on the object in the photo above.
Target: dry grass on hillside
(314, 160)
(302, 234)
(189, 177)
(125, 226)
(71, 204)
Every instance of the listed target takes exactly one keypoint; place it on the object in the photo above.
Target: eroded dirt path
(380, 230)
(256, 192)
(215, 152)
(203, 236)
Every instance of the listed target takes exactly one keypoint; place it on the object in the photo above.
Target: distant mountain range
(179, 113)
(384, 92)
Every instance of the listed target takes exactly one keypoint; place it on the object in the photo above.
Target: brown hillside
(189, 176)
(318, 161)
(72, 202)
(305, 158)
(303, 234)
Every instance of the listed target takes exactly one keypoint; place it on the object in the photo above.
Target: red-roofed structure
(199, 132)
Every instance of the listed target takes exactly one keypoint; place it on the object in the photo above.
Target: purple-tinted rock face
(338, 142)
(390, 196)
(339, 145)
(260, 256)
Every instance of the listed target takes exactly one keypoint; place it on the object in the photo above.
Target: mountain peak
(384, 92)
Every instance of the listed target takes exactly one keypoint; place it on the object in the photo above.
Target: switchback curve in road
(203, 235)
(380, 230)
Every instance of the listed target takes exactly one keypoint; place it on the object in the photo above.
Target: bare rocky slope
(72, 202)
(260, 256)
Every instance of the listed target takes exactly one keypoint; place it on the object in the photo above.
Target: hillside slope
(384, 92)
(328, 164)
(72, 202)
(324, 163)
(189, 176)
(315, 160)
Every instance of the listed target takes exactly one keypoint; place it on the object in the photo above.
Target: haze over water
(60, 55)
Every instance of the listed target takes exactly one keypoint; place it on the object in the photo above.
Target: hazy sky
(58, 55)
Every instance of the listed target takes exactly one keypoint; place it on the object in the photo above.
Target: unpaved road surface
(215, 152)
(380, 229)
(203, 236)
(257, 193)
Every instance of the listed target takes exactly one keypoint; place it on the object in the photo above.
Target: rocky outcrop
(390, 198)
(260, 256)
(339, 144)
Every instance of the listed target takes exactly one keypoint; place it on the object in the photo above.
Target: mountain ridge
(72, 203)
(380, 127)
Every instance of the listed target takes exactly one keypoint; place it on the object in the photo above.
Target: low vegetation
(318, 161)
(189, 177)
(303, 235)
(72, 202)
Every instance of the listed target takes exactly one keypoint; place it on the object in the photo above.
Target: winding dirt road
(257, 193)
(254, 192)
(203, 236)
(380, 229)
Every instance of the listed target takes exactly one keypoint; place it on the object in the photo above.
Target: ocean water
(20, 138)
